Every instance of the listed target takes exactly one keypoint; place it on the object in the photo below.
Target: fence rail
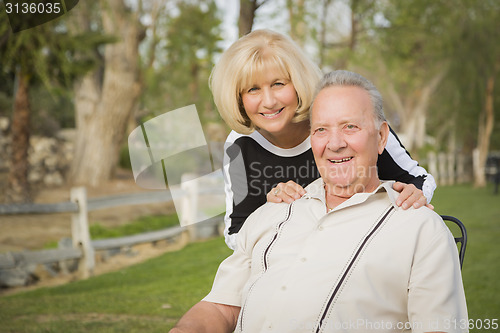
(93, 203)
(147, 237)
(16, 209)
(82, 247)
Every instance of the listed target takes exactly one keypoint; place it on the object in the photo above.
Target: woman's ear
(383, 135)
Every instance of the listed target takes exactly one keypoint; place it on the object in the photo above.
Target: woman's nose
(268, 98)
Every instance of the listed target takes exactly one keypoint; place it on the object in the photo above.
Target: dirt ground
(32, 232)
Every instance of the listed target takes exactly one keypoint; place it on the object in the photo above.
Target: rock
(53, 179)
(4, 124)
(14, 277)
(49, 157)
(67, 266)
(67, 135)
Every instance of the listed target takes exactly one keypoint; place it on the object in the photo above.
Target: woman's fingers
(287, 192)
(409, 195)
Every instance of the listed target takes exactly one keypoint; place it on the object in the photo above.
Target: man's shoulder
(422, 219)
(270, 211)
(263, 220)
(419, 217)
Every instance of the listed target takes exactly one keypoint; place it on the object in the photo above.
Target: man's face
(345, 141)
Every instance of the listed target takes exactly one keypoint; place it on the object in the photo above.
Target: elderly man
(344, 257)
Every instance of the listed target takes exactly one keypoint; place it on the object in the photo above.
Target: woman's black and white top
(253, 166)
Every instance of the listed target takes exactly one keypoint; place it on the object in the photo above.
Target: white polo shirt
(366, 265)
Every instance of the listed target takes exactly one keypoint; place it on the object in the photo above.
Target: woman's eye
(278, 84)
(251, 90)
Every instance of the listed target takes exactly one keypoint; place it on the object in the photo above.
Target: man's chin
(340, 189)
(348, 189)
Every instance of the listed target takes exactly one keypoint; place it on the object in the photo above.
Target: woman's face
(270, 102)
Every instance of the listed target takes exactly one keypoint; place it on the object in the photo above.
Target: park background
(71, 90)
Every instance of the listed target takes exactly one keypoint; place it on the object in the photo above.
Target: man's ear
(383, 135)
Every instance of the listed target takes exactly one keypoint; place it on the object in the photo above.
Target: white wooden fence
(449, 168)
(83, 248)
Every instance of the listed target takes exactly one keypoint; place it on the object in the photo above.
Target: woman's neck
(293, 136)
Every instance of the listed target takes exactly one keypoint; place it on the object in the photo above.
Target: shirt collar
(316, 190)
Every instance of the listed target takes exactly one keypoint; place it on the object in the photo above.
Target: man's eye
(350, 126)
(319, 130)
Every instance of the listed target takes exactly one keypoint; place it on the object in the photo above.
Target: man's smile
(342, 160)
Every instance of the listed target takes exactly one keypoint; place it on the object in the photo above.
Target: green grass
(479, 210)
(143, 224)
(150, 297)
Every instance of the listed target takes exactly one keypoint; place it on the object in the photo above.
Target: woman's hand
(285, 192)
(410, 195)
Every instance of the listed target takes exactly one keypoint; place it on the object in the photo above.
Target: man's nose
(336, 141)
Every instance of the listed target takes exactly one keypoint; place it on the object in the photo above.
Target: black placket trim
(349, 267)
(265, 258)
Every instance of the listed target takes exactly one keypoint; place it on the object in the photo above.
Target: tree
(387, 41)
(476, 69)
(297, 18)
(18, 189)
(105, 98)
(409, 100)
(40, 54)
(189, 39)
(446, 46)
(191, 46)
(409, 63)
(338, 47)
(18, 52)
(248, 9)
(168, 71)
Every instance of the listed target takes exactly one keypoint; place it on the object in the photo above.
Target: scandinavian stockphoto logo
(26, 14)
(170, 152)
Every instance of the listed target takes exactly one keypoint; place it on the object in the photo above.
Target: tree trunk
(87, 95)
(247, 15)
(18, 189)
(104, 108)
(322, 38)
(409, 129)
(298, 27)
(354, 25)
(486, 123)
(413, 110)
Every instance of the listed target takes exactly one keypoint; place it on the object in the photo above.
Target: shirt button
(303, 259)
(320, 228)
(283, 288)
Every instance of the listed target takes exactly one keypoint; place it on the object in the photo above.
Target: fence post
(451, 168)
(189, 184)
(460, 168)
(443, 174)
(433, 166)
(80, 231)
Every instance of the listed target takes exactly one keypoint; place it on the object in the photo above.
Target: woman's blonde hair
(252, 55)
